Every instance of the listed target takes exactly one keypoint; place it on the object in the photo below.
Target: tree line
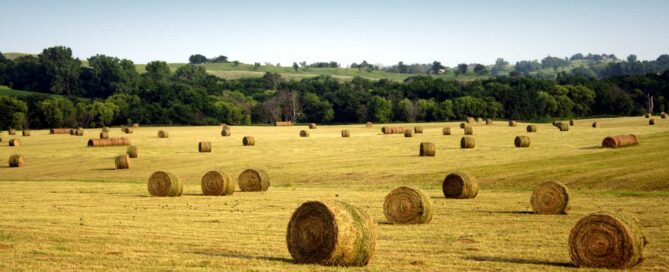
(106, 91)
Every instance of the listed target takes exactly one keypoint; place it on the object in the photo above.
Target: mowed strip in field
(68, 209)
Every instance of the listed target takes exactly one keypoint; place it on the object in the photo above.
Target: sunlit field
(69, 209)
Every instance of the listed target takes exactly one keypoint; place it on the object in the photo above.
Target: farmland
(67, 208)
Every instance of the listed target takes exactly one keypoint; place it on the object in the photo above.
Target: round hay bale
(135, 125)
(446, 131)
(460, 185)
(418, 130)
(427, 149)
(563, 126)
(79, 132)
(11, 131)
(105, 129)
(59, 131)
(522, 141)
(572, 122)
(550, 198)
(73, 131)
(312, 126)
(607, 240)
(122, 162)
(470, 120)
(467, 142)
(128, 130)
(531, 128)
(216, 183)
(204, 147)
(16, 161)
(651, 122)
(407, 205)
(647, 115)
(512, 123)
(595, 124)
(165, 184)
(345, 133)
(408, 133)
(226, 132)
(479, 120)
(0, 139)
(469, 130)
(385, 130)
(248, 140)
(663, 115)
(132, 152)
(620, 141)
(331, 233)
(14, 142)
(25, 133)
(253, 180)
(304, 133)
(164, 134)
(369, 124)
(104, 135)
(488, 122)
(463, 125)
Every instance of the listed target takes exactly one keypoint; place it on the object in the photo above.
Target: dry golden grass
(67, 209)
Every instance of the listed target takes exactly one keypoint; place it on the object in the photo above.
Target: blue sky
(382, 32)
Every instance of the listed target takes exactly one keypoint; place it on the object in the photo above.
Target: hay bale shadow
(104, 169)
(518, 261)
(507, 212)
(592, 147)
(241, 256)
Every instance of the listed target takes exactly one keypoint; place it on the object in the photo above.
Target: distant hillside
(15, 55)
(6, 91)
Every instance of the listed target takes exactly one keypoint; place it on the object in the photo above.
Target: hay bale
(563, 126)
(469, 130)
(14, 142)
(25, 133)
(663, 115)
(470, 120)
(647, 115)
(164, 134)
(607, 240)
(304, 133)
(216, 183)
(104, 135)
(512, 123)
(79, 132)
(550, 198)
(595, 124)
(408, 133)
(16, 160)
(312, 126)
(122, 162)
(283, 123)
(463, 125)
(385, 130)
(165, 184)
(446, 131)
(522, 141)
(572, 122)
(467, 142)
(105, 129)
(331, 233)
(620, 141)
(651, 122)
(108, 142)
(59, 131)
(226, 132)
(0, 139)
(418, 130)
(407, 205)
(460, 185)
(253, 180)
(135, 125)
(488, 122)
(345, 133)
(132, 152)
(11, 131)
(427, 149)
(128, 130)
(531, 128)
(203, 147)
(248, 141)
(368, 124)
(479, 120)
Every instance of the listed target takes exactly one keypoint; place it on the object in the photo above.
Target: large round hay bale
(606, 240)
(345, 133)
(531, 128)
(369, 125)
(132, 152)
(204, 147)
(73, 131)
(312, 126)
(512, 123)
(620, 141)
(248, 140)
(651, 121)
(135, 125)
(104, 135)
(427, 149)
(556, 123)
(164, 184)
(467, 142)
(128, 130)
(572, 122)
(479, 120)
(385, 130)
(471, 120)
(407, 205)
(11, 131)
(164, 134)
(469, 130)
(460, 185)
(550, 198)
(418, 130)
(218, 183)
(408, 133)
(25, 133)
(595, 124)
(16, 160)
(331, 233)
(14, 142)
(122, 162)
(522, 141)
(79, 132)
(253, 180)
(226, 132)
(563, 126)
(304, 133)
(663, 115)
(463, 125)
(446, 131)
(488, 122)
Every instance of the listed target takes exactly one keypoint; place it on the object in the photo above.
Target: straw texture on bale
(331, 233)
(164, 134)
(408, 133)
(216, 183)
(427, 149)
(248, 140)
(132, 152)
(407, 205)
(469, 130)
(572, 122)
(607, 240)
(128, 130)
(460, 185)
(563, 126)
(122, 162)
(16, 161)
(283, 123)
(550, 198)
(25, 133)
(522, 141)
(467, 142)
(651, 121)
(165, 184)
(108, 142)
(204, 147)
(512, 123)
(135, 125)
(345, 133)
(446, 131)
(14, 142)
(531, 128)
(312, 126)
(488, 122)
(595, 124)
(11, 131)
(620, 141)
(253, 180)
(226, 132)
(104, 135)
(369, 124)
(418, 129)
(59, 131)
(304, 133)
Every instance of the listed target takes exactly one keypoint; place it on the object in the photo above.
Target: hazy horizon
(381, 32)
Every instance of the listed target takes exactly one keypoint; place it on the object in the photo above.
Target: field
(68, 209)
